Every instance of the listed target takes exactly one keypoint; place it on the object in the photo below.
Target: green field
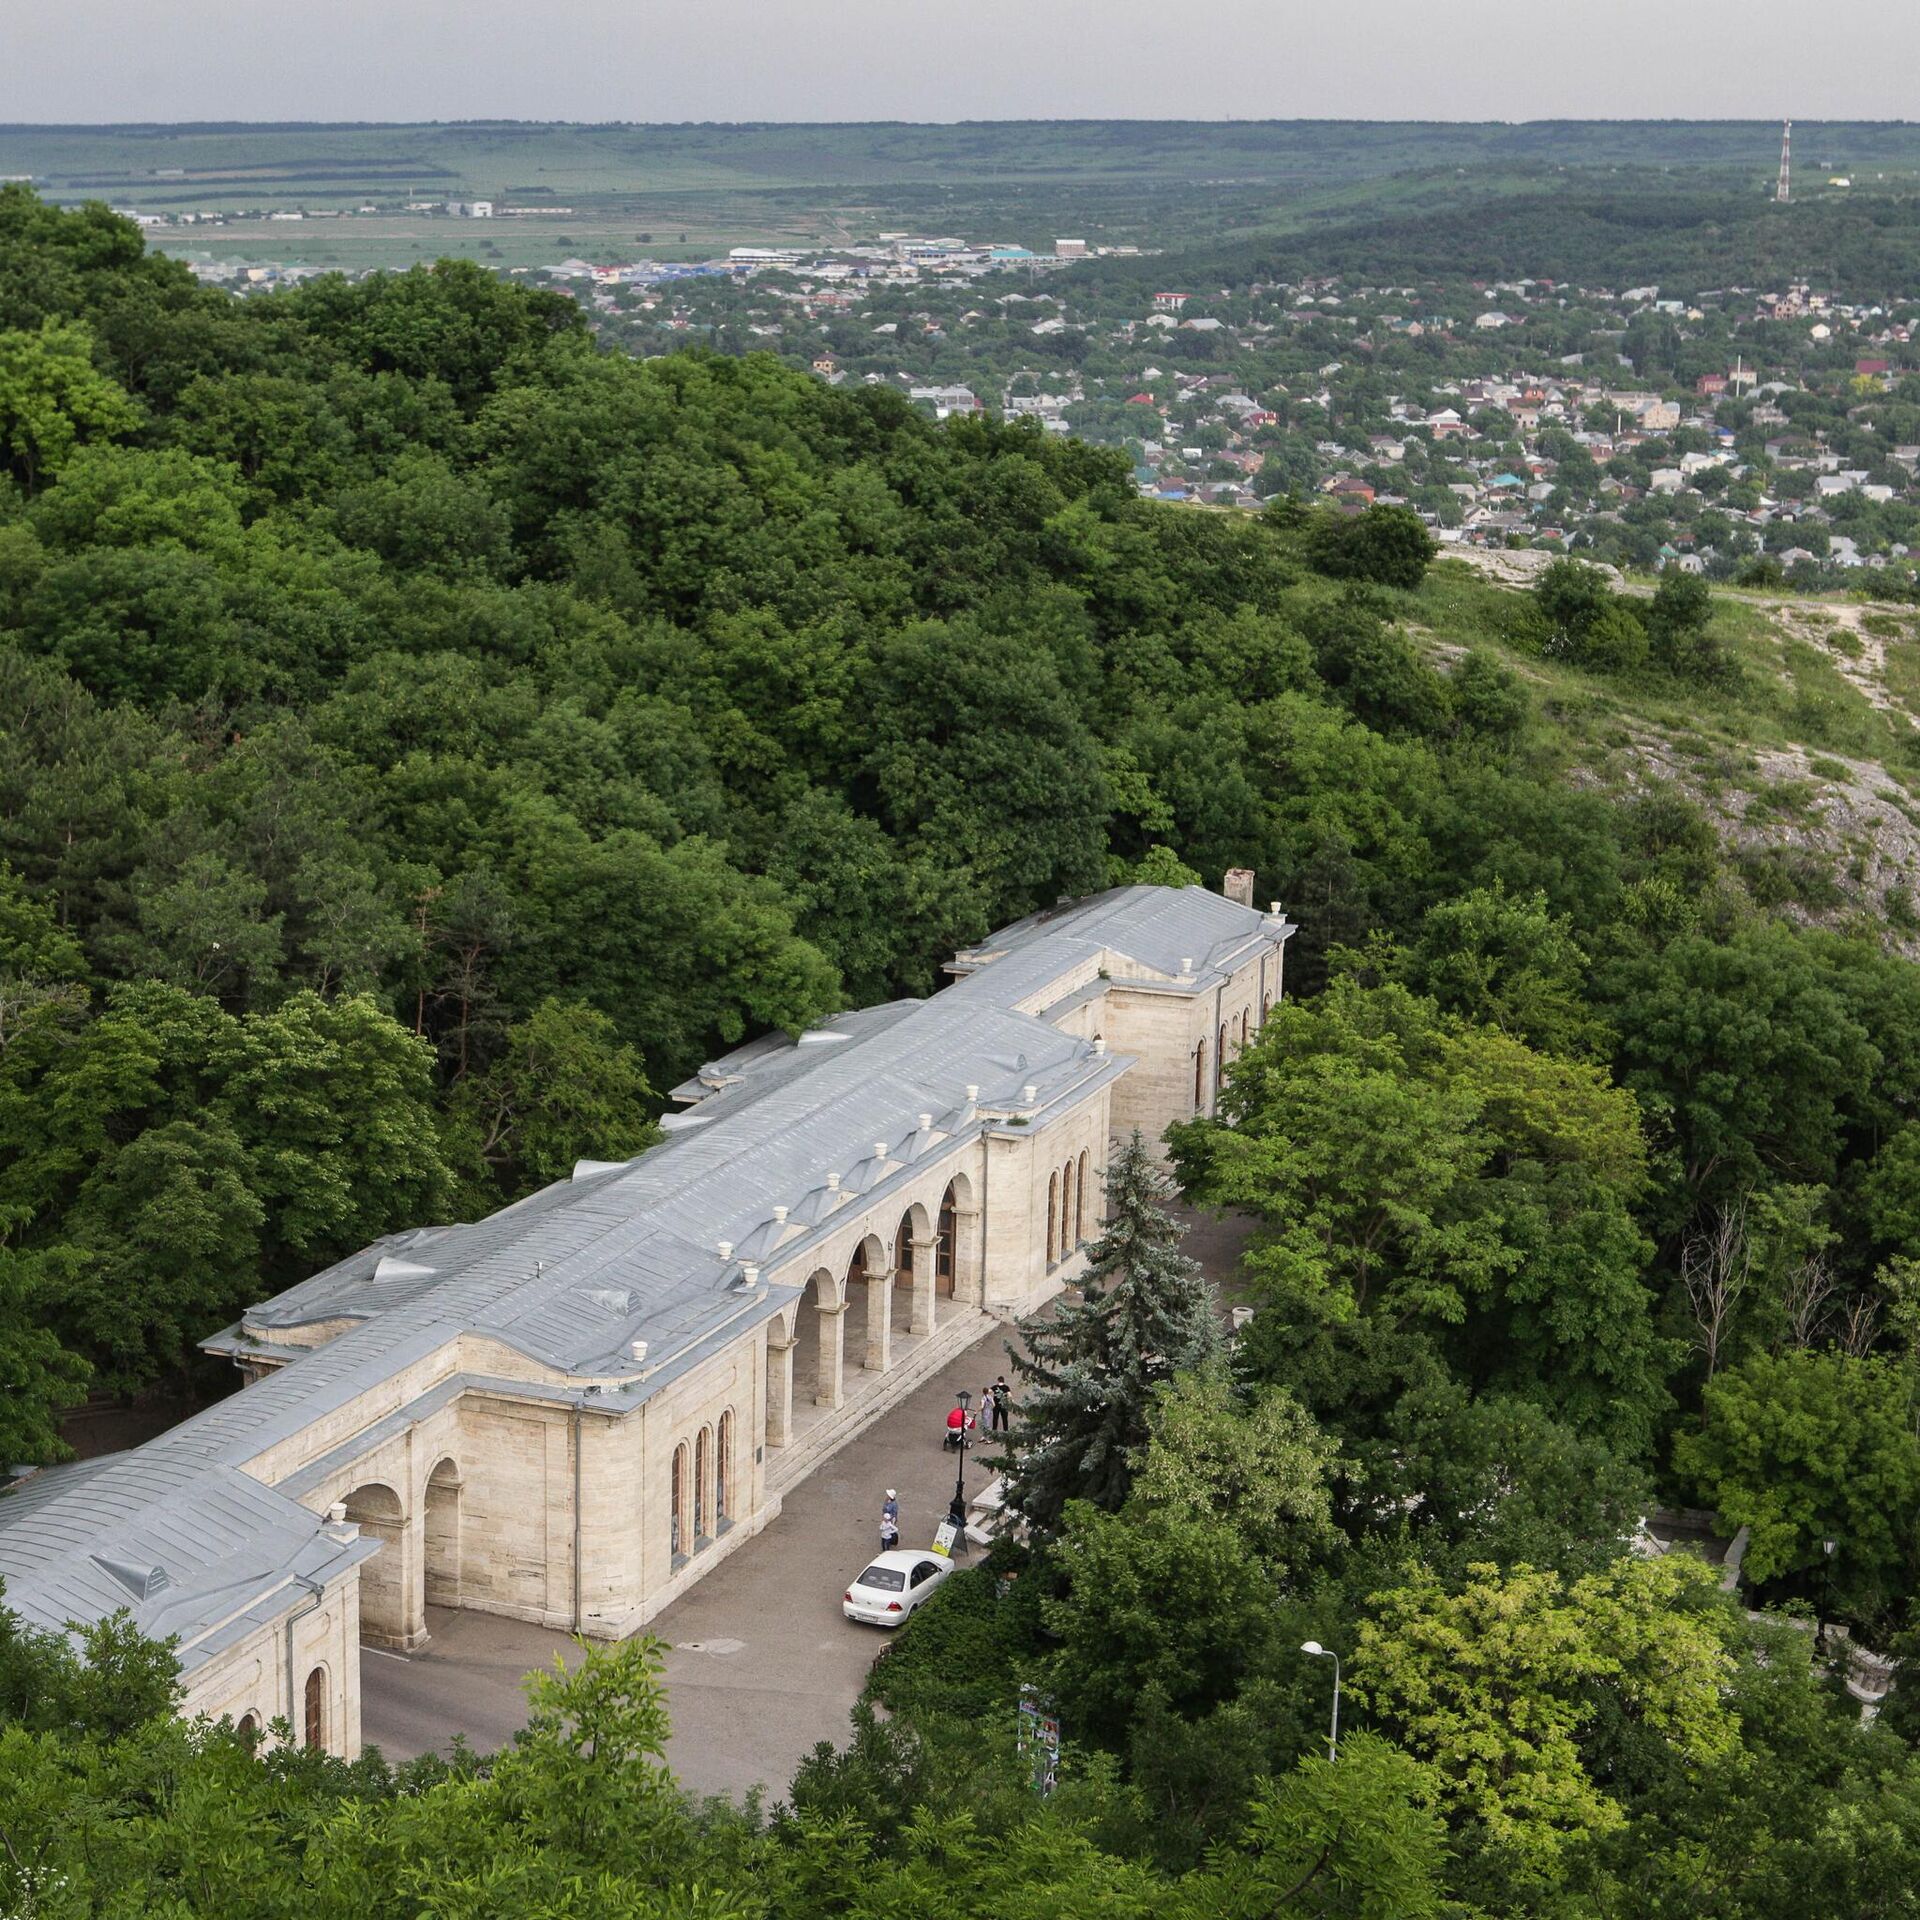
(1149, 183)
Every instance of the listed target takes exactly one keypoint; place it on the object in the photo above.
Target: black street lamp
(958, 1512)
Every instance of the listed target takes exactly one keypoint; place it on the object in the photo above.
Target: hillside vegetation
(424, 736)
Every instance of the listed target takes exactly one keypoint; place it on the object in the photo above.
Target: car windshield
(887, 1579)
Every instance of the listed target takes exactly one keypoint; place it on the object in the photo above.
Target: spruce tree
(1090, 1367)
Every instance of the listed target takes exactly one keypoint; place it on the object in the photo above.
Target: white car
(893, 1584)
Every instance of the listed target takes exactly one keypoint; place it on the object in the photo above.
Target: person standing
(1002, 1404)
(889, 1521)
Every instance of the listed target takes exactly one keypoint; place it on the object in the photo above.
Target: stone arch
(869, 1298)
(441, 1534)
(679, 1524)
(914, 1255)
(819, 1337)
(313, 1717)
(389, 1614)
(957, 1242)
(723, 1469)
(703, 1486)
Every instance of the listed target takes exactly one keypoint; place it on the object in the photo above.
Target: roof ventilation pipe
(1029, 1095)
(639, 1349)
(726, 1249)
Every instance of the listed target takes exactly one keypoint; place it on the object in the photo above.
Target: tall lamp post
(957, 1513)
(1325, 1653)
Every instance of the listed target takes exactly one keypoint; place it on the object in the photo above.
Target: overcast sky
(99, 60)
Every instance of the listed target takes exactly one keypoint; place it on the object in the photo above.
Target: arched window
(316, 1709)
(903, 1252)
(681, 1533)
(1053, 1202)
(1069, 1226)
(948, 1234)
(247, 1727)
(723, 1471)
(857, 1266)
(1266, 1007)
(702, 1482)
(1246, 1014)
(1221, 1056)
(1200, 1073)
(1080, 1195)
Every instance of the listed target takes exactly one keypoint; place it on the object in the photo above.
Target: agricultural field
(1145, 183)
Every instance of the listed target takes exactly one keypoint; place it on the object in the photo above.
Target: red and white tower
(1784, 191)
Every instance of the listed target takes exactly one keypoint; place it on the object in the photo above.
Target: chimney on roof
(926, 1122)
(1273, 908)
(973, 1096)
(639, 1349)
(749, 1275)
(726, 1249)
(1099, 1044)
(1029, 1094)
(833, 1183)
(879, 1149)
(1186, 965)
(779, 1216)
(1238, 885)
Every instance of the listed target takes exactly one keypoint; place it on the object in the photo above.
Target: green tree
(1806, 1446)
(1090, 1367)
(52, 397)
(1495, 1688)
(563, 1089)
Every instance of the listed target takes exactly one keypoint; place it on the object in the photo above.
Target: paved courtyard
(763, 1665)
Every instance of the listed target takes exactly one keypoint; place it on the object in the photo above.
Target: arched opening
(1221, 1055)
(376, 1510)
(909, 1246)
(1200, 1076)
(314, 1720)
(1069, 1213)
(1246, 1014)
(1266, 1007)
(680, 1531)
(859, 1299)
(702, 1486)
(946, 1239)
(1080, 1194)
(723, 1472)
(1053, 1207)
(248, 1728)
(442, 1528)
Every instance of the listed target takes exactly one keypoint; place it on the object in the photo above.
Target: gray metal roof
(573, 1275)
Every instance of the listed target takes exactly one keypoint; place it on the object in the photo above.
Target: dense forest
(424, 734)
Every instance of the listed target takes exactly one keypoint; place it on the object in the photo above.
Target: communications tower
(1784, 191)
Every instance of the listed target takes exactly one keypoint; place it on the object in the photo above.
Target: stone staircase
(873, 1394)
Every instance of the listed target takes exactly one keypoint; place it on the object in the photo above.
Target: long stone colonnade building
(571, 1410)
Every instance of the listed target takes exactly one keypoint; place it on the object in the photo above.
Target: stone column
(779, 1389)
(879, 1355)
(829, 1377)
(924, 1250)
(969, 1257)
